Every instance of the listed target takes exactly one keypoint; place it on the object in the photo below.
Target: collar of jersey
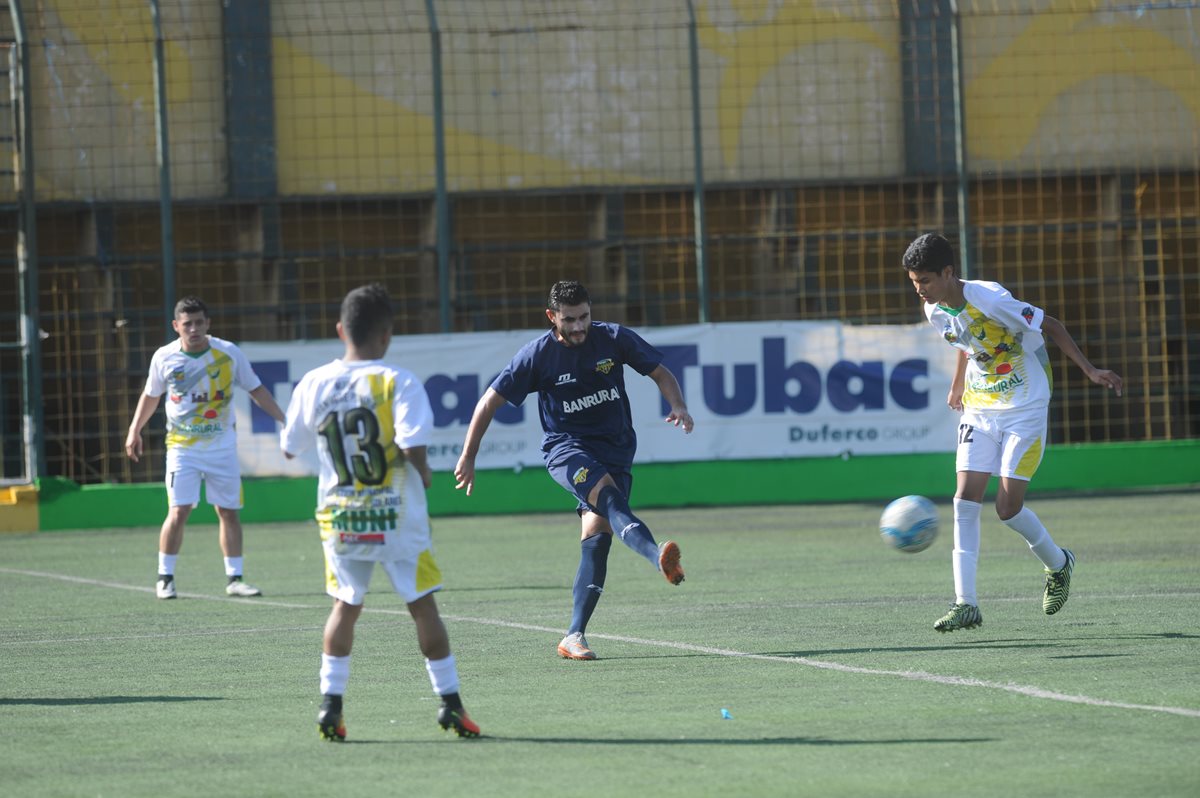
(953, 311)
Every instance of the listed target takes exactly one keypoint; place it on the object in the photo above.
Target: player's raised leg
(612, 503)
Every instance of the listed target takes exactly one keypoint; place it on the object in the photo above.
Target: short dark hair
(190, 304)
(566, 293)
(930, 252)
(366, 312)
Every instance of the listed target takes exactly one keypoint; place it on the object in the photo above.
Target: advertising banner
(756, 390)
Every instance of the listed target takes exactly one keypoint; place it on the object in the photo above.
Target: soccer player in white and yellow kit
(371, 424)
(1002, 389)
(198, 373)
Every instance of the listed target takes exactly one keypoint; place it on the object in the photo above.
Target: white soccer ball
(909, 524)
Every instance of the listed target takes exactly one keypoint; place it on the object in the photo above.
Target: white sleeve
(155, 384)
(995, 300)
(243, 373)
(412, 412)
(297, 435)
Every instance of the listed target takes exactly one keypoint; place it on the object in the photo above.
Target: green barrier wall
(1094, 467)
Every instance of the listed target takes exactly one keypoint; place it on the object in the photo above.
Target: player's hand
(1109, 379)
(954, 399)
(464, 473)
(133, 446)
(681, 418)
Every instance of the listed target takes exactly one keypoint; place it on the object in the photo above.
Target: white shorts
(347, 580)
(219, 471)
(1005, 443)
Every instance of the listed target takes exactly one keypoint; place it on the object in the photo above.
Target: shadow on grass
(505, 588)
(104, 699)
(675, 741)
(1017, 643)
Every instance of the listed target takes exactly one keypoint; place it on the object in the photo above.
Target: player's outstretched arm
(1057, 332)
(669, 387)
(263, 398)
(133, 441)
(485, 411)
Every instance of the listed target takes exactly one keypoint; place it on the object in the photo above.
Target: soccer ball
(909, 524)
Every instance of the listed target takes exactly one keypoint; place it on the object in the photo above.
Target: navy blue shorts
(577, 469)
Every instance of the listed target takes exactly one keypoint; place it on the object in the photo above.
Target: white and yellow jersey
(199, 389)
(361, 414)
(1007, 363)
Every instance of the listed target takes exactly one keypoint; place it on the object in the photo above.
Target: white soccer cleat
(164, 588)
(575, 646)
(237, 587)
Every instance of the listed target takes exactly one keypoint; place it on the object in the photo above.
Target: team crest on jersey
(178, 375)
(1027, 314)
(579, 477)
(604, 366)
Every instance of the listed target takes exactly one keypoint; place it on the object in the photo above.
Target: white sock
(166, 563)
(965, 556)
(1041, 544)
(233, 566)
(443, 675)
(335, 672)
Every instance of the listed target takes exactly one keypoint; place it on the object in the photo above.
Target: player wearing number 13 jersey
(363, 415)
(1002, 389)
(371, 423)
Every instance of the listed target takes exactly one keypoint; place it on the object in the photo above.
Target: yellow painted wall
(583, 93)
(1069, 87)
(94, 110)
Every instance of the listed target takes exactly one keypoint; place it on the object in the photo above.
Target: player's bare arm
(958, 385)
(669, 386)
(419, 457)
(1057, 332)
(263, 398)
(485, 411)
(133, 441)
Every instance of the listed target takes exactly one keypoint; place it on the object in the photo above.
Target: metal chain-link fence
(709, 160)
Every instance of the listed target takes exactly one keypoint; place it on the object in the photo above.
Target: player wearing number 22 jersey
(1001, 388)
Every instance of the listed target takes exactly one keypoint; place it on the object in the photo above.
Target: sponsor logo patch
(356, 537)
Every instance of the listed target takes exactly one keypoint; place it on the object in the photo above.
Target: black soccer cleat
(331, 725)
(458, 720)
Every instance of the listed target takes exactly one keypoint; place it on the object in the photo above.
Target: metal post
(699, 224)
(163, 152)
(441, 194)
(27, 259)
(965, 238)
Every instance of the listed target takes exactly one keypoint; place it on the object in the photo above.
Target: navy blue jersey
(581, 389)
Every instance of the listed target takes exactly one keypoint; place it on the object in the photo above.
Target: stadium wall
(65, 505)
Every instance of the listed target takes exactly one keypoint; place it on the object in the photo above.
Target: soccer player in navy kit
(577, 370)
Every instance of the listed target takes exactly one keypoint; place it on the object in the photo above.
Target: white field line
(918, 676)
